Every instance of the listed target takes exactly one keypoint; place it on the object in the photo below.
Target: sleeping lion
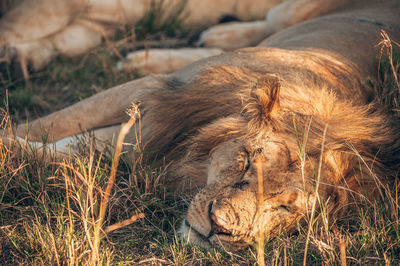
(297, 111)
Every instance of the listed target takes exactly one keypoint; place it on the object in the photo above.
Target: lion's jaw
(227, 211)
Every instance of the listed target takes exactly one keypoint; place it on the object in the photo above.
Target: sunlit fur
(359, 144)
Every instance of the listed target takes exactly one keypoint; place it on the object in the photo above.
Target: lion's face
(234, 153)
(229, 211)
(226, 211)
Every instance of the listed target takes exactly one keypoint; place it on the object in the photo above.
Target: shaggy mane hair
(357, 137)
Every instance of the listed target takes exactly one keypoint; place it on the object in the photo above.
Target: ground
(49, 208)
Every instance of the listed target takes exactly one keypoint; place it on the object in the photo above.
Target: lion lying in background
(35, 31)
(299, 105)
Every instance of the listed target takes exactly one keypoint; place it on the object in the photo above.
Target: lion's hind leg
(102, 110)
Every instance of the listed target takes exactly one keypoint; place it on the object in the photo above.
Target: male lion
(297, 109)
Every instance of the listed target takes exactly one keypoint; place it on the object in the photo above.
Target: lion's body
(302, 89)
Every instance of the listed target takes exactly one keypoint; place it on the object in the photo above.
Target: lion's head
(290, 151)
(227, 212)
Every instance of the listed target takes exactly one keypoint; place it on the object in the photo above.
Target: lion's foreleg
(101, 110)
(103, 139)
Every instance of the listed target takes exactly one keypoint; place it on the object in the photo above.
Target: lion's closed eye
(284, 208)
(241, 184)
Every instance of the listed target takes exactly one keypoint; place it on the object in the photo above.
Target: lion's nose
(216, 222)
(217, 228)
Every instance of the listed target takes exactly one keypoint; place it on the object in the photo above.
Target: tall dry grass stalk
(342, 242)
(386, 45)
(388, 86)
(134, 114)
(260, 201)
(87, 201)
(311, 220)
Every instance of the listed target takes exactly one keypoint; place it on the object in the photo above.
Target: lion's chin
(191, 236)
(229, 242)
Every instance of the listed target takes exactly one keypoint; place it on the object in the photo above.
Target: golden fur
(358, 139)
(302, 92)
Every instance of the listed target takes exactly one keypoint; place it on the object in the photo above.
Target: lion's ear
(262, 104)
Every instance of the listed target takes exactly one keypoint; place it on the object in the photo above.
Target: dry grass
(313, 208)
(388, 87)
(260, 201)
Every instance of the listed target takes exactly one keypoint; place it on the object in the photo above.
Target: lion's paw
(159, 61)
(233, 35)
